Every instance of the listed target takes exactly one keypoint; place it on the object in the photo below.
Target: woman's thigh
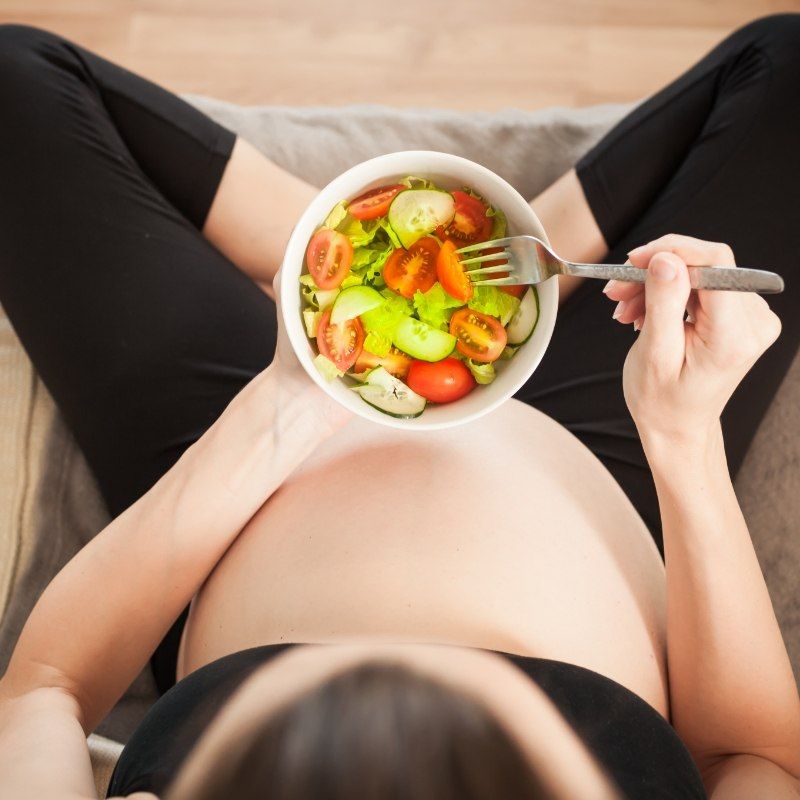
(713, 155)
(141, 330)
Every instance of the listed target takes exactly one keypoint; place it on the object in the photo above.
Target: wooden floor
(467, 54)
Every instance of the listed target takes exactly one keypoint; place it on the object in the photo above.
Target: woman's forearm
(254, 210)
(731, 683)
(97, 623)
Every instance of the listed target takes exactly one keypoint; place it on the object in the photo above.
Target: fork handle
(736, 279)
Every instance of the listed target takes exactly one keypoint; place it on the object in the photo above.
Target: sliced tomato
(374, 203)
(441, 381)
(408, 271)
(395, 361)
(495, 262)
(341, 343)
(328, 256)
(451, 274)
(516, 289)
(479, 336)
(470, 223)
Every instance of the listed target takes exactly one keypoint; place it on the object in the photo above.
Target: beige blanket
(49, 505)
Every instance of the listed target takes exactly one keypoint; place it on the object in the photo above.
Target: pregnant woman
(479, 612)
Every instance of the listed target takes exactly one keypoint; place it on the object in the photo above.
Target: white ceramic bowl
(448, 172)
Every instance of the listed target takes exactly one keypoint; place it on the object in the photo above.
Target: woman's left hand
(293, 378)
(680, 372)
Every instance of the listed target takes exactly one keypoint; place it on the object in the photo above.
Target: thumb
(667, 291)
(276, 284)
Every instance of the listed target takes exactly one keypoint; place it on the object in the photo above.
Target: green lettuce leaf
(508, 351)
(328, 369)
(374, 274)
(350, 280)
(413, 182)
(336, 216)
(318, 298)
(483, 373)
(384, 319)
(315, 297)
(360, 232)
(389, 231)
(499, 224)
(435, 306)
(309, 289)
(377, 343)
(307, 280)
(490, 300)
(472, 193)
(396, 299)
(363, 257)
(368, 260)
(309, 297)
(311, 319)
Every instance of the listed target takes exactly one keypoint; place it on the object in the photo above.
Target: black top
(637, 746)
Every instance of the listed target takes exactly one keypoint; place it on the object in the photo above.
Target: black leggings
(143, 332)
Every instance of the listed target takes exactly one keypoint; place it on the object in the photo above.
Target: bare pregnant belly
(505, 533)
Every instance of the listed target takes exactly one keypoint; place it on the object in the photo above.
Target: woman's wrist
(293, 388)
(677, 452)
(284, 408)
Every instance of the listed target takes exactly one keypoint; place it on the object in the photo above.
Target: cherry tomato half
(515, 289)
(341, 343)
(479, 336)
(470, 223)
(374, 203)
(395, 362)
(328, 256)
(408, 271)
(451, 274)
(441, 381)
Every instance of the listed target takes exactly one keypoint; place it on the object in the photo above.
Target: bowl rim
(369, 174)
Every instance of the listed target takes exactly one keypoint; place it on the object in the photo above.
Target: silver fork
(531, 261)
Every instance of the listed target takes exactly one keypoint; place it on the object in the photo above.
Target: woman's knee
(25, 52)
(774, 34)
(18, 40)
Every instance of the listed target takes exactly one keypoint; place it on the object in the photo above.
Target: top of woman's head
(374, 732)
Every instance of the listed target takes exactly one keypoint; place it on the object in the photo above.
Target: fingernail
(609, 286)
(637, 324)
(618, 310)
(663, 269)
(636, 250)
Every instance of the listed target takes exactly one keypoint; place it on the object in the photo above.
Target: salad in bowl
(388, 307)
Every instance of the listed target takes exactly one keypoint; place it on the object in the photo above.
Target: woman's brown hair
(375, 732)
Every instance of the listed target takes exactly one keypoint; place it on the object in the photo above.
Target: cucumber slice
(390, 395)
(523, 322)
(423, 341)
(353, 301)
(416, 212)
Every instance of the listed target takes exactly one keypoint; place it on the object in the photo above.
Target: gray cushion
(50, 502)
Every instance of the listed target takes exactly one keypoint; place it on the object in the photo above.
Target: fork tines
(469, 248)
(504, 256)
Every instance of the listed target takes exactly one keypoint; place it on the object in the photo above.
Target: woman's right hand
(680, 373)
